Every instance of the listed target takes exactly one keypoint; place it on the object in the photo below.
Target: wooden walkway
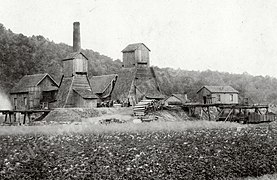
(10, 115)
(235, 112)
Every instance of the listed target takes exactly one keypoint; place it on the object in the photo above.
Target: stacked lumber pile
(143, 107)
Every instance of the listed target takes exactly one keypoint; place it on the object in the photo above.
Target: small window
(25, 101)
(218, 97)
(231, 97)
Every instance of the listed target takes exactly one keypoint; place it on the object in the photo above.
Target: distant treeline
(21, 55)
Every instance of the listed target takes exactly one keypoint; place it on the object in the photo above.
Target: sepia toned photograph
(138, 89)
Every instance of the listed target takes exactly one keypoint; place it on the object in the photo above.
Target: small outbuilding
(218, 95)
(34, 92)
(136, 54)
(176, 99)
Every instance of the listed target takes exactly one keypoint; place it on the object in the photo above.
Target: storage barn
(34, 92)
(218, 95)
(135, 54)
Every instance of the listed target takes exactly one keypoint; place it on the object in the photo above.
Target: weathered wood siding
(68, 68)
(45, 83)
(225, 98)
(204, 93)
(32, 98)
(129, 59)
(80, 65)
(18, 101)
(73, 66)
(84, 103)
(142, 55)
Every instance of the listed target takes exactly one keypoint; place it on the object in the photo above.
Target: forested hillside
(21, 55)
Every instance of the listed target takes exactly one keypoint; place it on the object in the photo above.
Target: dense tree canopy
(21, 55)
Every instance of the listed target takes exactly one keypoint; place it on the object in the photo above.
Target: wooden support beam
(29, 117)
(14, 117)
(208, 109)
(6, 117)
(219, 114)
(24, 119)
(10, 117)
(228, 115)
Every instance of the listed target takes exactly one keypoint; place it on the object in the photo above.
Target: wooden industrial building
(34, 92)
(136, 80)
(75, 89)
(135, 55)
(218, 95)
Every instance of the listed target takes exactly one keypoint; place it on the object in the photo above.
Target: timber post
(24, 119)
(6, 117)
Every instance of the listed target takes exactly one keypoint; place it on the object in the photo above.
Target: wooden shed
(176, 99)
(218, 95)
(136, 55)
(34, 92)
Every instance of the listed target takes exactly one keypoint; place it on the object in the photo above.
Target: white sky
(226, 35)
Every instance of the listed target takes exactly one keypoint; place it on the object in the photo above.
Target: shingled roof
(64, 91)
(123, 83)
(100, 83)
(31, 81)
(142, 79)
(85, 93)
(148, 87)
(78, 84)
(219, 89)
(133, 47)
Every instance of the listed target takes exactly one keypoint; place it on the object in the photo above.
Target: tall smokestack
(76, 37)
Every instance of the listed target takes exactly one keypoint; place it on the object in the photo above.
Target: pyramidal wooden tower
(136, 80)
(75, 89)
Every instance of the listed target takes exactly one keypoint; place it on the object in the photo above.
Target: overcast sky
(234, 36)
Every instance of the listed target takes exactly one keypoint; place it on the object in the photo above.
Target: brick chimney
(76, 37)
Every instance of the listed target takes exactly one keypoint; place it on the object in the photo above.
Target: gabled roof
(100, 83)
(219, 89)
(74, 55)
(133, 47)
(31, 81)
(85, 93)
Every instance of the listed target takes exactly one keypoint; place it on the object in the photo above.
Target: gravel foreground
(224, 153)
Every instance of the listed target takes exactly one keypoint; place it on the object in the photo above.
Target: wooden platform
(235, 112)
(11, 118)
